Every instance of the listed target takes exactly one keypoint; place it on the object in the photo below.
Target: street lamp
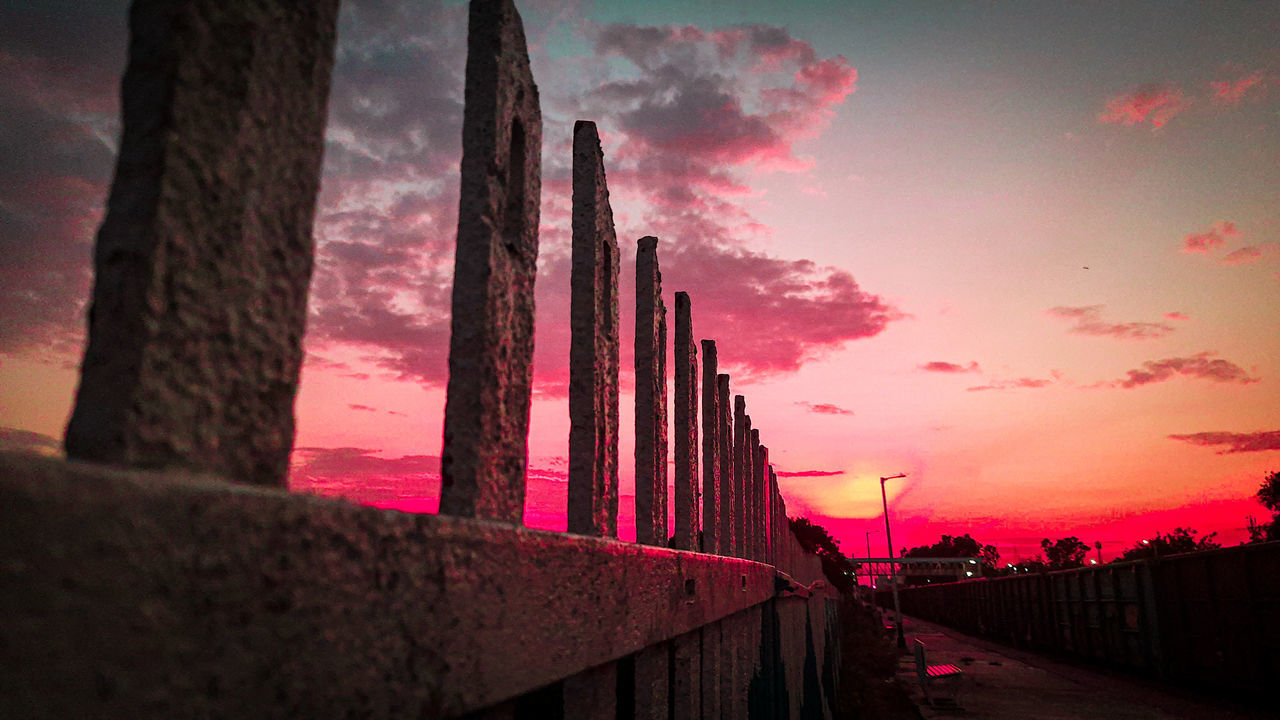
(888, 537)
(871, 582)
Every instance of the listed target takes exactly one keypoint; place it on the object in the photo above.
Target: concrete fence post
(711, 473)
(203, 260)
(741, 472)
(593, 352)
(725, 438)
(686, 428)
(651, 391)
(486, 417)
(754, 528)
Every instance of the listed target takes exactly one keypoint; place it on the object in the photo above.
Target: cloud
(1088, 321)
(1211, 239)
(1176, 316)
(362, 476)
(1156, 103)
(824, 408)
(949, 367)
(1230, 92)
(26, 441)
(1236, 442)
(811, 473)
(1020, 383)
(1203, 366)
(1244, 255)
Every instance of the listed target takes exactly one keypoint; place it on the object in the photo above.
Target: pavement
(1001, 682)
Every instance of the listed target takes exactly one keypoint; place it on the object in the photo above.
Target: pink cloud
(1020, 383)
(949, 367)
(1230, 92)
(1176, 316)
(824, 408)
(1203, 366)
(1236, 442)
(1156, 103)
(1088, 321)
(811, 473)
(1211, 239)
(1244, 255)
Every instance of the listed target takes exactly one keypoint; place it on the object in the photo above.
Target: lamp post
(888, 537)
(871, 582)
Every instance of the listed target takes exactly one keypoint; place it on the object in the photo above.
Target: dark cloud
(26, 441)
(943, 366)
(824, 408)
(1235, 442)
(1088, 321)
(1203, 366)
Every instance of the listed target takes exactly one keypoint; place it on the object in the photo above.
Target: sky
(1026, 253)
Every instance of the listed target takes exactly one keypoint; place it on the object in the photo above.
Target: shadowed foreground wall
(133, 594)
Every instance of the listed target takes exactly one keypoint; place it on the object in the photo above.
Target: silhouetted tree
(1269, 496)
(1181, 540)
(815, 539)
(1064, 553)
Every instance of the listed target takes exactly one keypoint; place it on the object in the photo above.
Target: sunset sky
(1027, 253)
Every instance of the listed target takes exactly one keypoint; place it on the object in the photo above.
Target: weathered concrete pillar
(686, 668)
(593, 352)
(686, 428)
(762, 519)
(651, 398)
(486, 416)
(652, 683)
(710, 451)
(754, 529)
(710, 662)
(742, 498)
(725, 428)
(740, 434)
(592, 694)
(202, 263)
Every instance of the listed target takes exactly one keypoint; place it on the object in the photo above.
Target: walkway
(1001, 682)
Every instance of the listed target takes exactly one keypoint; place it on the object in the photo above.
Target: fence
(1207, 618)
(163, 571)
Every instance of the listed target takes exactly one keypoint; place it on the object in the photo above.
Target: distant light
(1146, 542)
(968, 574)
(973, 562)
(1010, 564)
(1094, 562)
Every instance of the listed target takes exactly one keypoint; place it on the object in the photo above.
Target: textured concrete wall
(593, 352)
(129, 594)
(741, 430)
(203, 261)
(486, 417)
(685, 410)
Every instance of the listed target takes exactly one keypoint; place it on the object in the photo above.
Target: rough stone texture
(132, 594)
(727, 494)
(651, 394)
(710, 451)
(203, 261)
(762, 515)
(486, 417)
(593, 353)
(686, 428)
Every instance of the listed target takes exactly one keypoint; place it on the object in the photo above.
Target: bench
(949, 674)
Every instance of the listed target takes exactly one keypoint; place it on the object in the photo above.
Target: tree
(1064, 553)
(1181, 540)
(1269, 496)
(835, 565)
(951, 546)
